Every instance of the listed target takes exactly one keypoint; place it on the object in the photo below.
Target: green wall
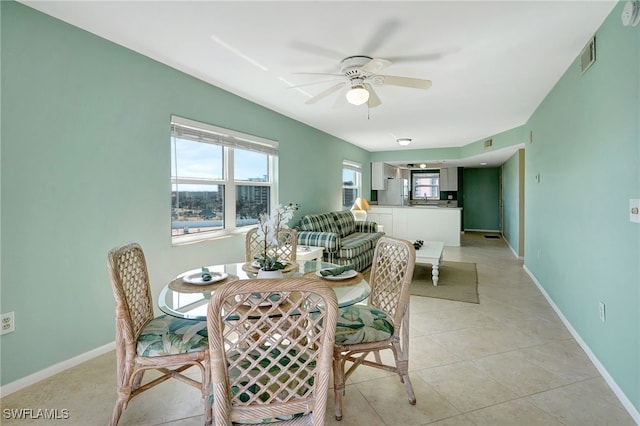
(580, 244)
(481, 195)
(85, 167)
(512, 195)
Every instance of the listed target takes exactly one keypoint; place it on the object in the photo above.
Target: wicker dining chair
(165, 343)
(383, 323)
(288, 244)
(270, 344)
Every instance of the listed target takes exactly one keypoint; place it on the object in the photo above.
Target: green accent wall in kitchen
(481, 194)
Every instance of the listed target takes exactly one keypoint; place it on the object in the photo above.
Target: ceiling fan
(359, 73)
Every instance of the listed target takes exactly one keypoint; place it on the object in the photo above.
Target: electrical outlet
(602, 312)
(8, 323)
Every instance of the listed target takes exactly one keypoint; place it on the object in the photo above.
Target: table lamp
(359, 209)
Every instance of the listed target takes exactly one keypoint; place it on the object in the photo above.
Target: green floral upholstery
(362, 324)
(167, 335)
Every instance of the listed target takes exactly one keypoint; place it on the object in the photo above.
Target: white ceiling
(491, 63)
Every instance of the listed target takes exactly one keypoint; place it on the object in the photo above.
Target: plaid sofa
(345, 241)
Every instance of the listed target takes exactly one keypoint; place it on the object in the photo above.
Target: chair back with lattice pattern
(286, 249)
(271, 344)
(391, 275)
(130, 284)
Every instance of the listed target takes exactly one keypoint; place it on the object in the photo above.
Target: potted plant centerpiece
(269, 227)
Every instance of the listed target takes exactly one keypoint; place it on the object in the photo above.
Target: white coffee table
(308, 253)
(431, 253)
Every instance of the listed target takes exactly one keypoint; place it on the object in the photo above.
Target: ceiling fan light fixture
(403, 141)
(357, 95)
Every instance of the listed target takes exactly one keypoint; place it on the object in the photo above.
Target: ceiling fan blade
(414, 83)
(316, 50)
(384, 31)
(375, 65)
(318, 73)
(374, 100)
(340, 101)
(333, 80)
(416, 58)
(325, 93)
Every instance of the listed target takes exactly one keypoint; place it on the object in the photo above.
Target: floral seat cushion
(362, 324)
(167, 335)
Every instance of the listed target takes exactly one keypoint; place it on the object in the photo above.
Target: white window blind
(201, 132)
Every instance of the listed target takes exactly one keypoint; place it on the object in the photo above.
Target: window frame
(230, 141)
(357, 168)
(415, 175)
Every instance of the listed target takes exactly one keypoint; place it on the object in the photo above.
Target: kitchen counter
(416, 206)
(419, 222)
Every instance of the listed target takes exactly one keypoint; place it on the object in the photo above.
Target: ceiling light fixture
(403, 141)
(357, 95)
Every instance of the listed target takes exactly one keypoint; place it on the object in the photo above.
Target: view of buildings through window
(213, 180)
(351, 183)
(426, 185)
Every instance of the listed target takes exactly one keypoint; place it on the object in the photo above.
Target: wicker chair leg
(117, 412)
(407, 386)
(338, 383)
(137, 379)
(206, 389)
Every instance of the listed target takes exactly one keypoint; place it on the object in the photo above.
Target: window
(426, 185)
(351, 183)
(221, 180)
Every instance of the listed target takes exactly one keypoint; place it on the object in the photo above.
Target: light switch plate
(634, 210)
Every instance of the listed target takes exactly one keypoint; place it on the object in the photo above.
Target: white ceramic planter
(269, 274)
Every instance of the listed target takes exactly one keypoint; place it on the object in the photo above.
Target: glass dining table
(185, 297)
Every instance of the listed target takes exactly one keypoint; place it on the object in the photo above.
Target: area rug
(458, 281)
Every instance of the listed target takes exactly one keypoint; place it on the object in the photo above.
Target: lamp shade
(357, 95)
(359, 209)
(362, 203)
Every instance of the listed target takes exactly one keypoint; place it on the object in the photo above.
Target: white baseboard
(635, 414)
(515, 253)
(29, 380)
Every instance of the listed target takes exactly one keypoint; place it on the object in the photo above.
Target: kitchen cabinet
(378, 178)
(449, 179)
(380, 173)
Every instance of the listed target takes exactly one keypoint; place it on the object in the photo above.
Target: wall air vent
(588, 55)
(488, 143)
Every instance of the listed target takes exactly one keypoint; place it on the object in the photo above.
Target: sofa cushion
(357, 243)
(330, 241)
(360, 262)
(345, 222)
(323, 222)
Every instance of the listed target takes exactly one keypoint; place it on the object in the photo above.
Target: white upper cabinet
(378, 179)
(380, 173)
(449, 179)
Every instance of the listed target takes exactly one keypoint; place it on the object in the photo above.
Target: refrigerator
(396, 194)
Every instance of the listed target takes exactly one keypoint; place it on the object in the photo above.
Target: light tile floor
(506, 361)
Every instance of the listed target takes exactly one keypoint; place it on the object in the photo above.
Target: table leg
(435, 272)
